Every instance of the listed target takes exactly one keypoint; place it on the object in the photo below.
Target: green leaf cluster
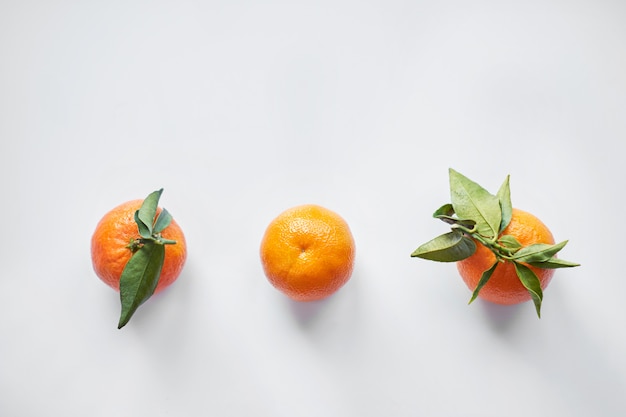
(141, 274)
(479, 217)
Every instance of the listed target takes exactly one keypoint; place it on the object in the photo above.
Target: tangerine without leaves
(307, 252)
(110, 251)
(504, 286)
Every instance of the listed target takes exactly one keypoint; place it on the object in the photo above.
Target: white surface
(241, 110)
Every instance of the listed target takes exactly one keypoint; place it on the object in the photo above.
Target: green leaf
(445, 210)
(504, 196)
(467, 224)
(144, 231)
(553, 263)
(483, 280)
(530, 281)
(450, 247)
(445, 213)
(161, 223)
(140, 278)
(471, 201)
(538, 252)
(510, 243)
(146, 213)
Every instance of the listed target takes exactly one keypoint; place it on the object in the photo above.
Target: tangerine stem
(135, 244)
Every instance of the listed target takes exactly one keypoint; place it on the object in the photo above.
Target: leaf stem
(163, 241)
(501, 252)
(471, 232)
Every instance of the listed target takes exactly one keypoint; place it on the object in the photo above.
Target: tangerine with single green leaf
(112, 240)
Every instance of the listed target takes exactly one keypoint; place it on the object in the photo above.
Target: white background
(242, 109)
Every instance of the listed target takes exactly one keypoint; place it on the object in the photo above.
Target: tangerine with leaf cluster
(505, 255)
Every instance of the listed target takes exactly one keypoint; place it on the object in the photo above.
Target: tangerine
(110, 250)
(307, 252)
(504, 286)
